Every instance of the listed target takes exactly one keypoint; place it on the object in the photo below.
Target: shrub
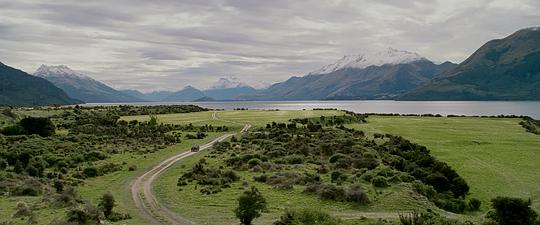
(106, 204)
(14, 130)
(423, 189)
(254, 162)
(379, 181)
(459, 187)
(38, 125)
(90, 171)
(332, 192)
(334, 158)
(474, 204)
(23, 210)
(307, 217)
(250, 206)
(511, 211)
(338, 176)
(357, 194)
(132, 168)
(262, 178)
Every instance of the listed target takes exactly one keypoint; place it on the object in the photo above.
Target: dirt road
(147, 203)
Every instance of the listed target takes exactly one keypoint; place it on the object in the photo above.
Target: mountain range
(82, 87)
(379, 75)
(501, 69)
(18, 88)
(225, 89)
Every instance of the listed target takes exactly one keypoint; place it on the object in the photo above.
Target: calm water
(529, 108)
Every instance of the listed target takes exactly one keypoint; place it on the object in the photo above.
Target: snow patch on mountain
(59, 71)
(359, 61)
(225, 83)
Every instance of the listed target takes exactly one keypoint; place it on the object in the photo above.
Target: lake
(470, 108)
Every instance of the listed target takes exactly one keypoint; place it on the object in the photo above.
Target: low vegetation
(336, 164)
(49, 156)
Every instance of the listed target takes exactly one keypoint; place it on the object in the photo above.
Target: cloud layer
(168, 44)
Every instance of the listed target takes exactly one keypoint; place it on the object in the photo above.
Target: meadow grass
(496, 156)
(235, 118)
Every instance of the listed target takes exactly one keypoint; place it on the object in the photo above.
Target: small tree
(512, 211)
(107, 204)
(250, 206)
(153, 120)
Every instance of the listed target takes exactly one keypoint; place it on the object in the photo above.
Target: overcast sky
(168, 44)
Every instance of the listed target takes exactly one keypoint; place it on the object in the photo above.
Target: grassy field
(236, 118)
(496, 156)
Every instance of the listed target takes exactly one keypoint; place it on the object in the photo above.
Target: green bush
(379, 181)
(357, 194)
(38, 125)
(307, 217)
(512, 211)
(250, 206)
(474, 204)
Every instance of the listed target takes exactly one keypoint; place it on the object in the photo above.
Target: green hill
(18, 88)
(502, 69)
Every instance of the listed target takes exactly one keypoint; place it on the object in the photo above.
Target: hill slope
(82, 87)
(502, 69)
(18, 88)
(381, 75)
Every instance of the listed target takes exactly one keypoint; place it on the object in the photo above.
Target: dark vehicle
(195, 148)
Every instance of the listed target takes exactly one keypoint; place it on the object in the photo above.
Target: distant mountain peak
(359, 61)
(189, 87)
(225, 83)
(58, 71)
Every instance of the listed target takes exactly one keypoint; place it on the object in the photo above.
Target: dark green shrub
(38, 125)
(338, 176)
(474, 204)
(14, 130)
(90, 171)
(307, 217)
(334, 158)
(379, 181)
(254, 162)
(107, 204)
(262, 178)
(512, 211)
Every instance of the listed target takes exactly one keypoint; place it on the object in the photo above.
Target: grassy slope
(496, 156)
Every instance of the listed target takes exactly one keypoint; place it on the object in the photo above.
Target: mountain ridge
(18, 88)
(80, 86)
(501, 69)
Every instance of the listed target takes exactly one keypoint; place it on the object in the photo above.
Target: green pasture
(496, 156)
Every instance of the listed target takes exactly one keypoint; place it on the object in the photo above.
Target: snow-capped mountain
(225, 83)
(58, 71)
(82, 87)
(388, 56)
